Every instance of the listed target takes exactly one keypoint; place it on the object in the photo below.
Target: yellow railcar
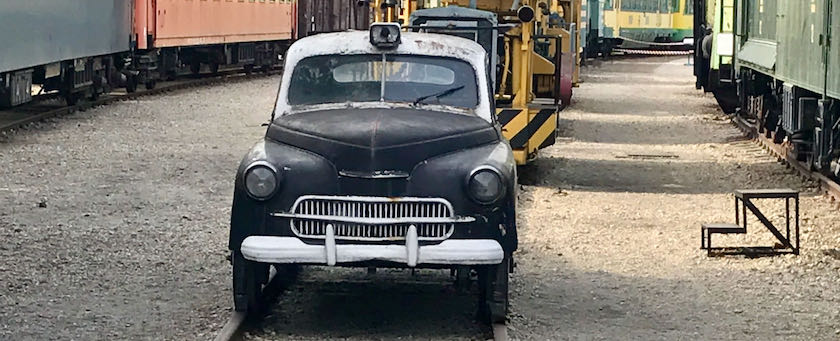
(641, 22)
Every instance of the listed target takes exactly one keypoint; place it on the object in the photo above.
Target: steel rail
(203, 80)
(234, 328)
(500, 332)
(828, 186)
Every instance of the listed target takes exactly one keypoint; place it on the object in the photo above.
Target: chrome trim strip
(375, 221)
(374, 174)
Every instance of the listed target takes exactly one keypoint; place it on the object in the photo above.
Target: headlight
(485, 185)
(261, 180)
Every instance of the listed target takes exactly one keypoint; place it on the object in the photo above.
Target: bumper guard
(291, 250)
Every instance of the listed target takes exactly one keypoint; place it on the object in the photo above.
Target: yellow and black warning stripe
(528, 130)
(506, 115)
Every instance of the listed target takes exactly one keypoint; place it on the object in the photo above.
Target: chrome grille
(371, 218)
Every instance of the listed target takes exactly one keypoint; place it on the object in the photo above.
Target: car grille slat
(363, 208)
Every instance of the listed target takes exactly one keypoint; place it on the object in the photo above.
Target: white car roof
(412, 43)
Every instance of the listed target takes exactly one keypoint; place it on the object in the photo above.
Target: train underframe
(807, 123)
(90, 77)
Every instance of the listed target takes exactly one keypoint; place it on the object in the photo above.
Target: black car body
(383, 150)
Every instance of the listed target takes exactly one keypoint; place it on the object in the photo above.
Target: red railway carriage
(179, 23)
(171, 33)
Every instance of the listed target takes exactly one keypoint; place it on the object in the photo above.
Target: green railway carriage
(776, 62)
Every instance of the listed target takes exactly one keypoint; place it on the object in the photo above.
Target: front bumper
(291, 250)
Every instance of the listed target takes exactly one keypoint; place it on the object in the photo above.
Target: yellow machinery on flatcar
(533, 50)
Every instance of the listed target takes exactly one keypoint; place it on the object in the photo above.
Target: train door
(800, 39)
(724, 31)
(832, 48)
(826, 132)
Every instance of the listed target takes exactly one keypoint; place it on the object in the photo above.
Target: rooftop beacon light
(385, 35)
(525, 13)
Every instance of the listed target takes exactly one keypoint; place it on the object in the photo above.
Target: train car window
(689, 7)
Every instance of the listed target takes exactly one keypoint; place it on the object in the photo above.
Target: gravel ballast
(114, 221)
(115, 225)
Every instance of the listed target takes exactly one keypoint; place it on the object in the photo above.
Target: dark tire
(248, 280)
(151, 84)
(493, 292)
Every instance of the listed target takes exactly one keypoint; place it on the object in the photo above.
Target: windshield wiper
(443, 93)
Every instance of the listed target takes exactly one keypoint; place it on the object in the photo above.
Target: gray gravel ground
(610, 242)
(132, 241)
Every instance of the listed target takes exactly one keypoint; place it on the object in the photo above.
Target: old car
(383, 150)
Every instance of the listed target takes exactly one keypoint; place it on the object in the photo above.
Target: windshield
(392, 78)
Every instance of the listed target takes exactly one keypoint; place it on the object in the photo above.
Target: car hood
(380, 139)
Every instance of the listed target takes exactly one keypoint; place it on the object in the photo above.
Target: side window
(689, 7)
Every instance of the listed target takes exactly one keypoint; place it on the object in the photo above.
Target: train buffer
(744, 200)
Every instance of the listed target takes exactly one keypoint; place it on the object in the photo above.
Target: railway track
(651, 52)
(236, 326)
(49, 105)
(828, 186)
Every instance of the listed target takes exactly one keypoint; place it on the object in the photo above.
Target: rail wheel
(462, 279)
(131, 84)
(72, 98)
(493, 292)
(171, 75)
(249, 69)
(151, 84)
(195, 68)
(248, 279)
(214, 68)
